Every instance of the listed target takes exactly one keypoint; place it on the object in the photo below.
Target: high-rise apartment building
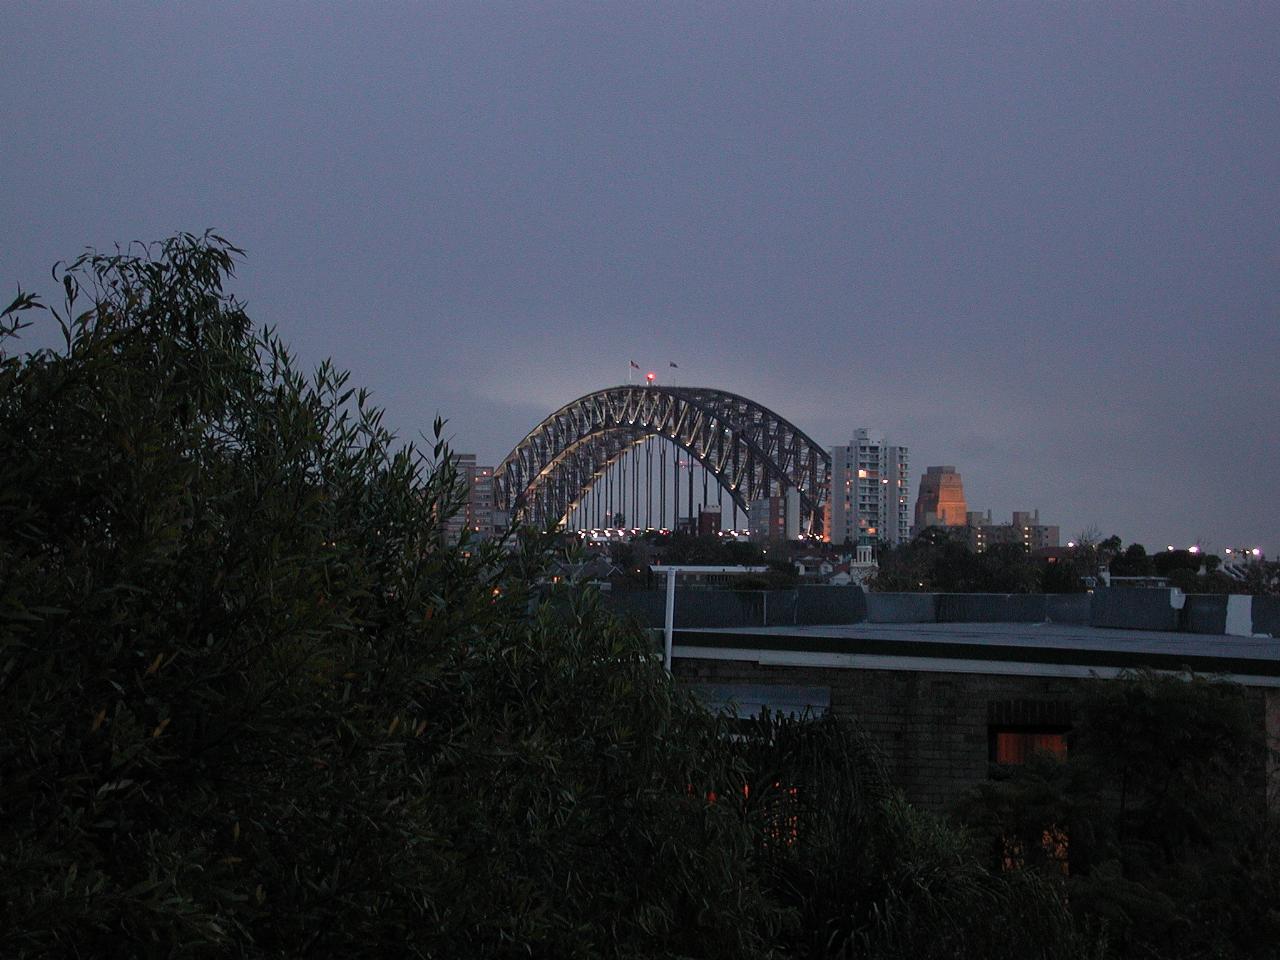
(940, 502)
(477, 516)
(870, 486)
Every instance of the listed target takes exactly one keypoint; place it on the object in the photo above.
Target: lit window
(1013, 747)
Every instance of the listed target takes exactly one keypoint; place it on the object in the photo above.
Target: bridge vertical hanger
(749, 450)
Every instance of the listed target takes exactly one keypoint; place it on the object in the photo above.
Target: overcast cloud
(1036, 241)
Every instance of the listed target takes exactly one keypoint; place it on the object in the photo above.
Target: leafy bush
(939, 559)
(250, 702)
(871, 877)
(1162, 798)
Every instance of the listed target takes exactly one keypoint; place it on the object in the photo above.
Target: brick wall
(932, 727)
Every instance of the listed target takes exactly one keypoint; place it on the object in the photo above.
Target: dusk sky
(1039, 242)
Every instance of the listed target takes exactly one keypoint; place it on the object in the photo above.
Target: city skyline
(1037, 243)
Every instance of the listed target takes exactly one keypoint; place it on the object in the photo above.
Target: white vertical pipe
(671, 619)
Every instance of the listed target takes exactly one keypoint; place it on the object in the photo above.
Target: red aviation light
(651, 376)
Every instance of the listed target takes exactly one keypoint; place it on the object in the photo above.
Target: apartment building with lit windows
(870, 487)
(478, 516)
(1025, 530)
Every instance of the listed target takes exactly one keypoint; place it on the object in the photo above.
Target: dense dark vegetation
(1161, 810)
(939, 559)
(252, 704)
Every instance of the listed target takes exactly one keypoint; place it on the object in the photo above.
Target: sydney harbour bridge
(644, 456)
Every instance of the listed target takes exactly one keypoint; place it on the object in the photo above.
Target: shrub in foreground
(251, 702)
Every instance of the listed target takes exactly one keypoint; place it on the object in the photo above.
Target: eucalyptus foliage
(868, 875)
(251, 702)
(1162, 800)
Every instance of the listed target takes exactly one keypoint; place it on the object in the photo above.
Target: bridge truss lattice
(749, 450)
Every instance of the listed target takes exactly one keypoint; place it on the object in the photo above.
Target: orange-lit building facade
(940, 501)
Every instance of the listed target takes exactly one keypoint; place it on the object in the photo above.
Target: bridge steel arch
(750, 450)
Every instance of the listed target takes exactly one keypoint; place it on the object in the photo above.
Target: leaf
(113, 787)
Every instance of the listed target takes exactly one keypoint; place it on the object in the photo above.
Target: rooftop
(1037, 648)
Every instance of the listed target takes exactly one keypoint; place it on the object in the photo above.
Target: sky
(1036, 241)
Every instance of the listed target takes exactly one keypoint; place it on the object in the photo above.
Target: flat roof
(1044, 649)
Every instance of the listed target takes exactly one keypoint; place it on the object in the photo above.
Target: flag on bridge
(675, 365)
(634, 365)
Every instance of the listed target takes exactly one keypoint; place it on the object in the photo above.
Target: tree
(251, 704)
(1002, 568)
(940, 560)
(1263, 578)
(1134, 562)
(622, 555)
(681, 547)
(868, 875)
(1165, 563)
(1161, 805)
(1061, 577)
(1109, 548)
(936, 559)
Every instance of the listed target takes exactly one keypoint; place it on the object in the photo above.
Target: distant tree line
(680, 547)
(940, 560)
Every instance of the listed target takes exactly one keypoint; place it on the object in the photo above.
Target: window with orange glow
(1016, 747)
